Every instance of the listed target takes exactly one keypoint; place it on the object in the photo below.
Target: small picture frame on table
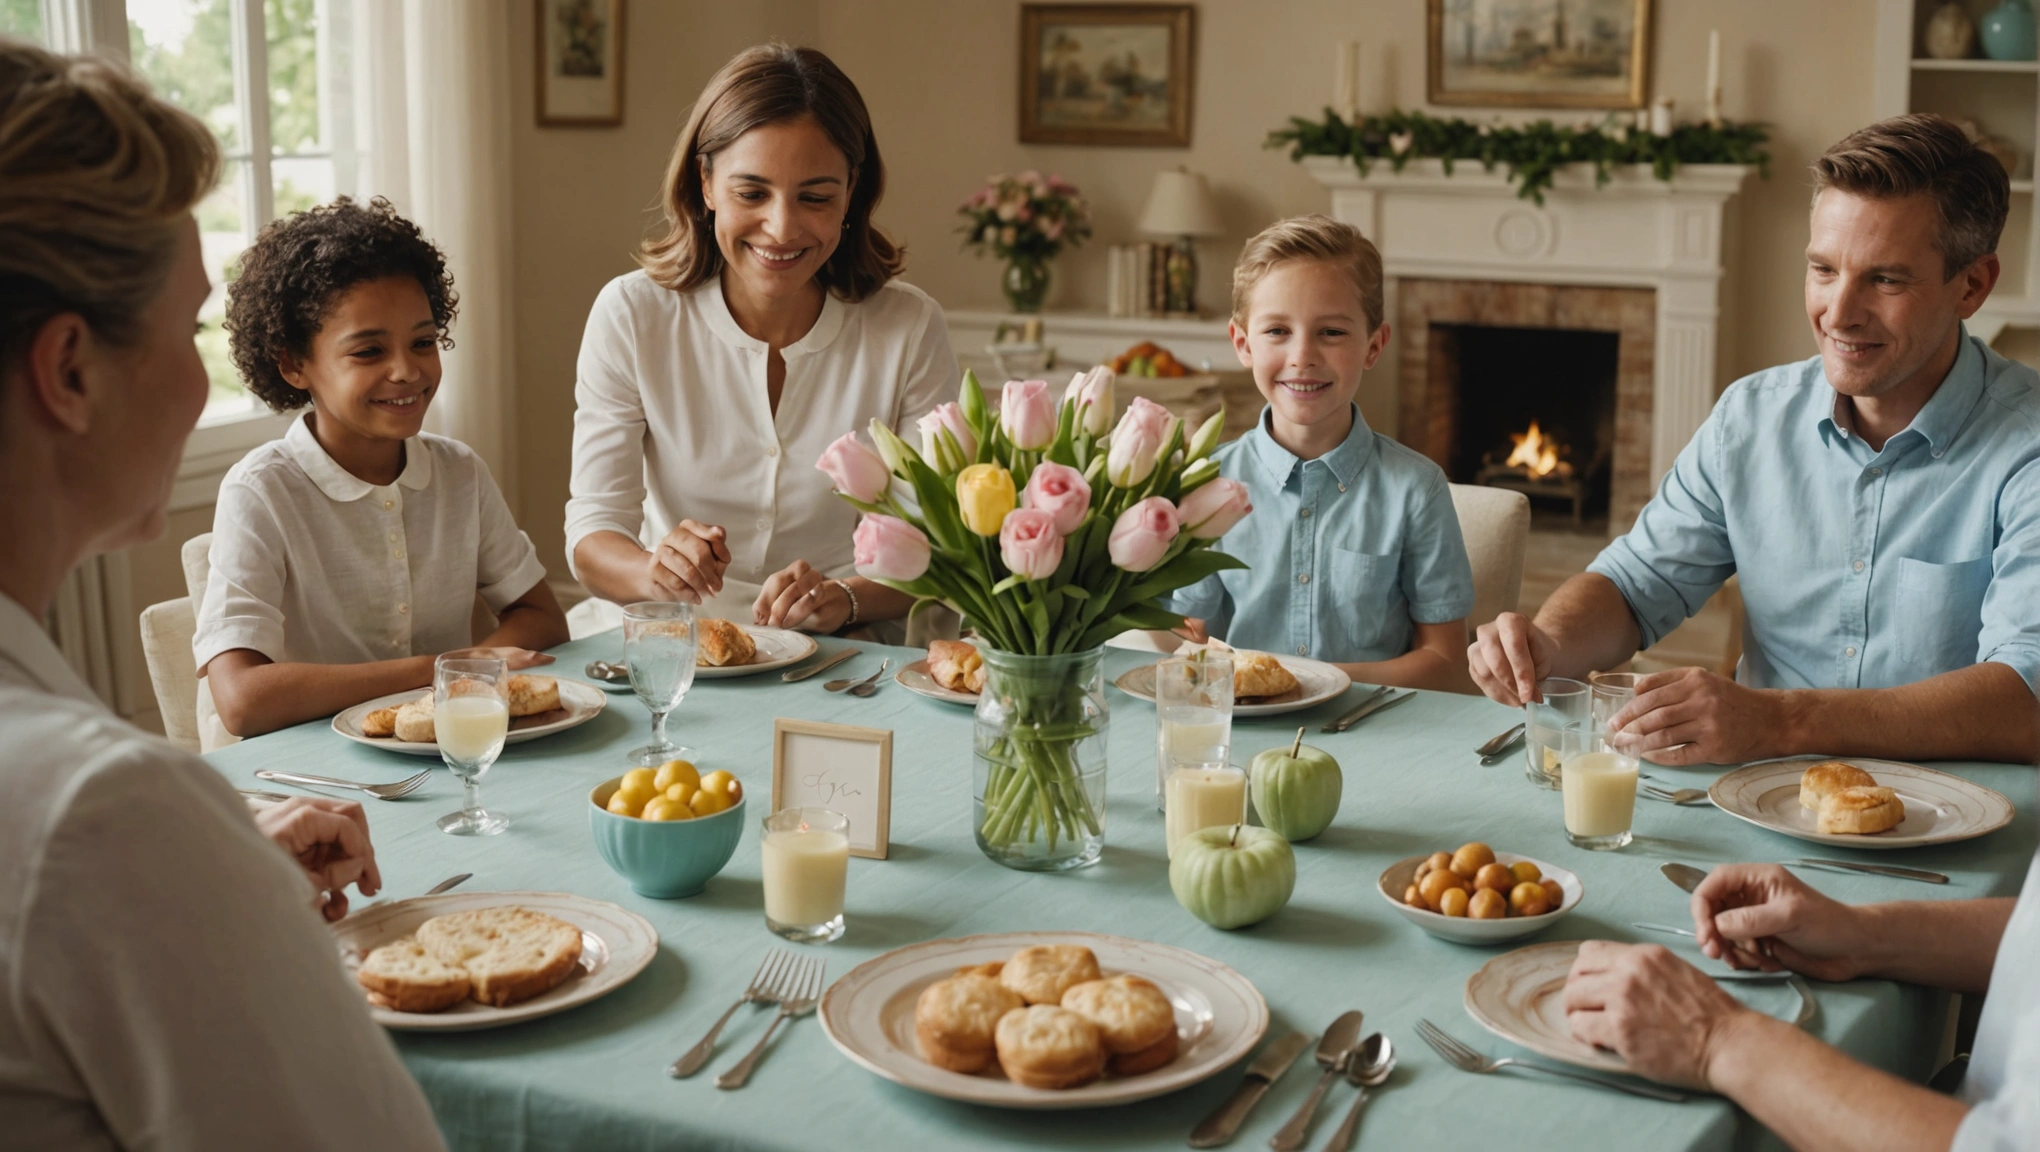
(841, 767)
(580, 63)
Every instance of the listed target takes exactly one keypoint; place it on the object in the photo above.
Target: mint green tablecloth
(595, 1077)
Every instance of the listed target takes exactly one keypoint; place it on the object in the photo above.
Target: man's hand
(1663, 1016)
(799, 596)
(1507, 658)
(1693, 716)
(688, 564)
(329, 840)
(1761, 916)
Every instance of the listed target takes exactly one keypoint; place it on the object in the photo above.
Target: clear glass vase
(1026, 283)
(1038, 772)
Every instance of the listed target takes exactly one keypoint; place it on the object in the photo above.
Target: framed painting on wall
(1107, 74)
(580, 63)
(1540, 53)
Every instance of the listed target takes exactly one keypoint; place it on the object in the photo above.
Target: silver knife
(436, 889)
(1894, 870)
(1359, 714)
(1361, 706)
(1684, 875)
(1266, 1069)
(799, 674)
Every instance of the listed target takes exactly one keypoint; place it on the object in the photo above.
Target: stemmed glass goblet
(470, 720)
(659, 641)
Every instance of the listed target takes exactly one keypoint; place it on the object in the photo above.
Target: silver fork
(379, 791)
(1673, 795)
(760, 992)
(1467, 1060)
(797, 999)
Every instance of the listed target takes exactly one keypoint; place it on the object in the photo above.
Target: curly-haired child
(347, 555)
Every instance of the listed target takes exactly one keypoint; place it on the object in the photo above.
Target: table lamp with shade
(1180, 205)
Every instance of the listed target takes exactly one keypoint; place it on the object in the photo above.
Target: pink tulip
(1030, 544)
(1136, 441)
(1026, 414)
(889, 548)
(858, 472)
(1061, 492)
(948, 416)
(1212, 510)
(1142, 535)
(1091, 392)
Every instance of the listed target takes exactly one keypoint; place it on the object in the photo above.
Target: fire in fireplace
(1536, 465)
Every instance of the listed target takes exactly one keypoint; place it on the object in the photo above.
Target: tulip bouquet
(1025, 215)
(1050, 529)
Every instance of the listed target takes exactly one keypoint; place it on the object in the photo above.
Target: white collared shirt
(670, 397)
(312, 564)
(168, 985)
(2003, 1082)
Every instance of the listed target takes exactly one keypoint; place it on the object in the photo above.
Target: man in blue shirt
(1881, 503)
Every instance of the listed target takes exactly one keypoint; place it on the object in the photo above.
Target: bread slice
(413, 722)
(531, 695)
(511, 954)
(403, 976)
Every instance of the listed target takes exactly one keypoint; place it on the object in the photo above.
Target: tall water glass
(658, 648)
(1193, 716)
(470, 719)
(1563, 712)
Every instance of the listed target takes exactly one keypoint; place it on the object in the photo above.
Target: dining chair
(1496, 525)
(167, 629)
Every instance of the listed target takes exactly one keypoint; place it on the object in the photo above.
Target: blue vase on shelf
(2007, 31)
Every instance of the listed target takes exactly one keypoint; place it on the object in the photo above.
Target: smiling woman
(766, 319)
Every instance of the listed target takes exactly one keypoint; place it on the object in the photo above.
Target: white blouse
(672, 419)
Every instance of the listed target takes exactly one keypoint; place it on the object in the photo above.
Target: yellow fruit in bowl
(707, 803)
(676, 772)
(641, 780)
(1526, 872)
(680, 791)
(1527, 899)
(664, 809)
(1487, 904)
(634, 795)
(1454, 902)
(619, 803)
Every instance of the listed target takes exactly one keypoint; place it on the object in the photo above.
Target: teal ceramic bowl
(663, 859)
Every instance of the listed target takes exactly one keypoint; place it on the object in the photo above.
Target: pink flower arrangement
(1025, 215)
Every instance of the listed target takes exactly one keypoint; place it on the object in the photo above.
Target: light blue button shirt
(1860, 568)
(2003, 1082)
(1346, 550)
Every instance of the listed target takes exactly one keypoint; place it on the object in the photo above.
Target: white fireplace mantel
(1635, 231)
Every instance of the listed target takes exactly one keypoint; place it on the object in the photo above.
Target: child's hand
(1193, 630)
(515, 659)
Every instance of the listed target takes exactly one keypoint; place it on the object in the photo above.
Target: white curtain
(433, 88)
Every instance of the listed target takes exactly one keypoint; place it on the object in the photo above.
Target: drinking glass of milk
(470, 718)
(1193, 716)
(807, 863)
(1599, 781)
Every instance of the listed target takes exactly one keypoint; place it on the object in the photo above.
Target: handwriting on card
(824, 788)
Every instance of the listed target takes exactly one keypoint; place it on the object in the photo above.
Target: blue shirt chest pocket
(1360, 607)
(1939, 614)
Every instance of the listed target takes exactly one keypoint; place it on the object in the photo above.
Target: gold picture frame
(1087, 74)
(1562, 54)
(840, 767)
(579, 52)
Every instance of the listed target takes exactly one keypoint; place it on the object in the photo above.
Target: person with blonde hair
(766, 321)
(169, 983)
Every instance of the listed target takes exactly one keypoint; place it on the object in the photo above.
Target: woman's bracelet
(852, 618)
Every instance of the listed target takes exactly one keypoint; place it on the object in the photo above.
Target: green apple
(1232, 875)
(1296, 790)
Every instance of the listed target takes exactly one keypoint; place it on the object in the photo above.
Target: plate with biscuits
(1044, 1020)
(464, 961)
(539, 706)
(953, 672)
(1263, 684)
(1860, 803)
(724, 649)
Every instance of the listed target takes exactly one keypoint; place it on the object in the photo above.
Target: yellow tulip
(984, 494)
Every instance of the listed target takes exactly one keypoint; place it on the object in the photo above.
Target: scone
(720, 643)
(1255, 673)
(1135, 1020)
(511, 954)
(1823, 780)
(1041, 973)
(379, 723)
(1043, 1046)
(1860, 811)
(531, 695)
(413, 722)
(992, 969)
(957, 666)
(402, 975)
(955, 1019)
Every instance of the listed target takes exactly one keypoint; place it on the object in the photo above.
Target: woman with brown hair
(169, 985)
(764, 322)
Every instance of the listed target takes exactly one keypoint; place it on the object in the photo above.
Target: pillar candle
(1714, 77)
(1342, 78)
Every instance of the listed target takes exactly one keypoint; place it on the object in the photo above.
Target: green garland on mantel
(1533, 152)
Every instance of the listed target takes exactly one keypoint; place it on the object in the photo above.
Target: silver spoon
(1369, 1069)
(848, 681)
(604, 670)
(871, 684)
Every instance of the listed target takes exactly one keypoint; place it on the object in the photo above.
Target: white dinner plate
(869, 1016)
(1316, 682)
(1520, 997)
(777, 648)
(1939, 807)
(580, 702)
(616, 944)
(915, 678)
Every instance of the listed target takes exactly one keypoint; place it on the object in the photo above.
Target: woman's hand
(329, 840)
(688, 564)
(1761, 916)
(799, 596)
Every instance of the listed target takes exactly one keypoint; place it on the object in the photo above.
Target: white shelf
(2022, 186)
(1928, 64)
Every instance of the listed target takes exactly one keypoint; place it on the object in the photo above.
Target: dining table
(596, 1076)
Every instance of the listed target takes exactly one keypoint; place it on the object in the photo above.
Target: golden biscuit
(1043, 1046)
(1041, 973)
(955, 1019)
(1131, 1013)
(1147, 1059)
(992, 969)
(1823, 780)
(1860, 811)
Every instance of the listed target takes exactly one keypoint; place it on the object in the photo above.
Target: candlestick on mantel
(1661, 118)
(1714, 78)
